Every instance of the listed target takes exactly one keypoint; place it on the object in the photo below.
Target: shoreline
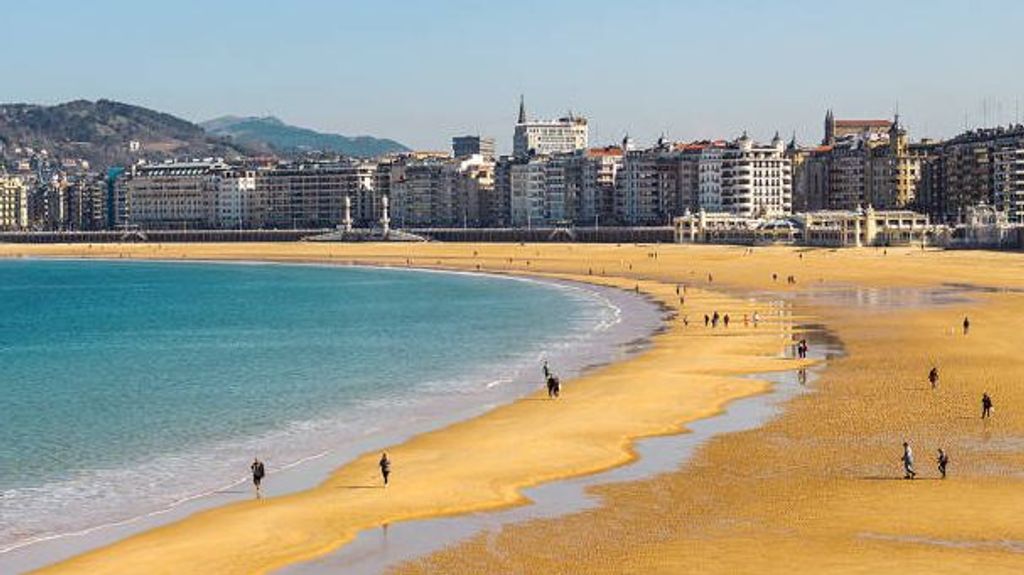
(386, 549)
(717, 391)
(601, 345)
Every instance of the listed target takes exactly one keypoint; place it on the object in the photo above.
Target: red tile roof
(609, 151)
(863, 123)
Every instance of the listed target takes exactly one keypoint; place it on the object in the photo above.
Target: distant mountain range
(101, 132)
(286, 139)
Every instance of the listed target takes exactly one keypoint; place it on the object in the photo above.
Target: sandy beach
(817, 489)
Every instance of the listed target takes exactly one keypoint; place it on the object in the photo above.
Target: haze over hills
(287, 140)
(101, 132)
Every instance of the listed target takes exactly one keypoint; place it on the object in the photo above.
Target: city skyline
(423, 73)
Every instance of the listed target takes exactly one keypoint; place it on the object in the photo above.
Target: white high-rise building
(534, 137)
(746, 179)
(527, 190)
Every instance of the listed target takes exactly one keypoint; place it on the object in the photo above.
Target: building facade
(976, 168)
(746, 179)
(545, 137)
(466, 146)
(13, 203)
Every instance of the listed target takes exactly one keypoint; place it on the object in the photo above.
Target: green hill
(101, 132)
(286, 139)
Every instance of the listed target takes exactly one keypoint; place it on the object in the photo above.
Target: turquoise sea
(128, 387)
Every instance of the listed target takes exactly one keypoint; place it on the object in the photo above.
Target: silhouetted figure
(554, 387)
(908, 462)
(943, 461)
(933, 377)
(714, 319)
(986, 406)
(967, 325)
(546, 369)
(707, 320)
(258, 473)
(725, 320)
(385, 467)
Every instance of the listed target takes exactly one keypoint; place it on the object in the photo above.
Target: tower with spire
(830, 129)
(544, 137)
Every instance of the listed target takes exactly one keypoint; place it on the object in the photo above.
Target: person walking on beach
(547, 370)
(707, 320)
(986, 406)
(725, 320)
(933, 377)
(554, 386)
(908, 462)
(943, 461)
(258, 473)
(757, 318)
(714, 319)
(385, 467)
(967, 325)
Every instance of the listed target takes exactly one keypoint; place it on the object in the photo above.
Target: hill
(101, 132)
(290, 140)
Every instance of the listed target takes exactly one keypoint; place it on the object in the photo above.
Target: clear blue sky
(421, 71)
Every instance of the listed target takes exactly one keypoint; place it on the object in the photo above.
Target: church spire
(830, 128)
(522, 109)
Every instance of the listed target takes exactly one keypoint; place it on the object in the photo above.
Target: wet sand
(813, 490)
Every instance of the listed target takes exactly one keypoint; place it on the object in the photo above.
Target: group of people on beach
(259, 471)
(553, 384)
(715, 318)
(942, 459)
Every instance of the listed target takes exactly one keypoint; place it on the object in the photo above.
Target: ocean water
(129, 387)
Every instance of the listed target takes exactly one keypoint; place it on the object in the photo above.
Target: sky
(421, 71)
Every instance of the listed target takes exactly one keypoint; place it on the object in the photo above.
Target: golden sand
(811, 491)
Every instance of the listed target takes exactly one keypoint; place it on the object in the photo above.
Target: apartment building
(746, 179)
(13, 203)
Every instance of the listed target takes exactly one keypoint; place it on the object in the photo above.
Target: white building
(746, 179)
(13, 203)
(187, 195)
(527, 187)
(544, 137)
(235, 202)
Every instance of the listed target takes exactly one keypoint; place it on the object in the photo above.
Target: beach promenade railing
(505, 235)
